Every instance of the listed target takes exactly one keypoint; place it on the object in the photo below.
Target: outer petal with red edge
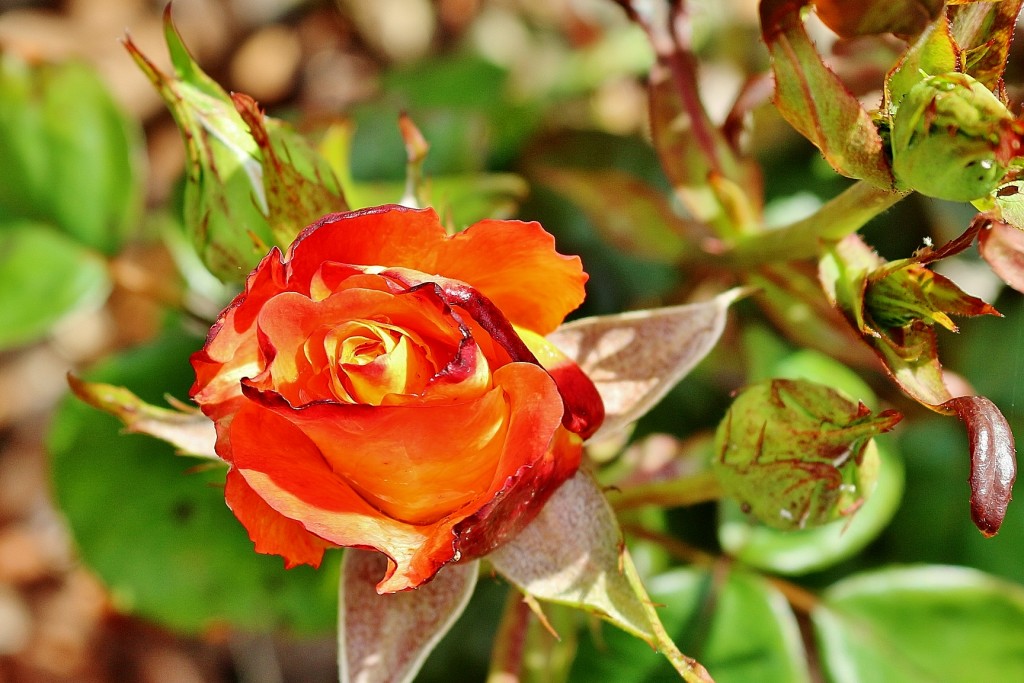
(514, 264)
(284, 466)
(584, 408)
(230, 352)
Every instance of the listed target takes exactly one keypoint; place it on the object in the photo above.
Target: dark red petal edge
(584, 410)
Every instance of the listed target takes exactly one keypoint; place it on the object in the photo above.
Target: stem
(837, 218)
(507, 655)
(690, 669)
(674, 546)
(697, 488)
(801, 599)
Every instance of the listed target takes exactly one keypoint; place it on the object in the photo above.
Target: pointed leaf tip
(191, 432)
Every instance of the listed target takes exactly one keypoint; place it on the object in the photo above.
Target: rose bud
(385, 386)
(952, 138)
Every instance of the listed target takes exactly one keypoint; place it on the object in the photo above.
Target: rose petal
(584, 407)
(513, 264)
(521, 497)
(288, 471)
(294, 331)
(444, 459)
(230, 352)
(273, 533)
(285, 469)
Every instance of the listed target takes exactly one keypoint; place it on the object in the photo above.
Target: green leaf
(806, 550)
(815, 101)
(173, 552)
(386, 638)
(44, 275)
(794, 452)
(740, 626)
(71, 157)
(1009, 199)
(922, 624)
(934, 52)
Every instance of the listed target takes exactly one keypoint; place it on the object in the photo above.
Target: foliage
(767, 515)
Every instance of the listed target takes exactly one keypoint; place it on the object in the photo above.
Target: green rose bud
(952, 138)
(795, 453)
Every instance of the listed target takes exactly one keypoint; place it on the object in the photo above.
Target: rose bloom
(386, 386)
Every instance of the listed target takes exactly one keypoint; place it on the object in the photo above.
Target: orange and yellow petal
(515, 265)
(230, 352)
(416, 462)
(287, 471)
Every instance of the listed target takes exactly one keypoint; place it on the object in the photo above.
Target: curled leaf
(993, 460)
(386, 638)
(635, 358)
(902, 17)
(191, 432)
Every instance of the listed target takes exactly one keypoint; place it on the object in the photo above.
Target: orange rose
(386, 386)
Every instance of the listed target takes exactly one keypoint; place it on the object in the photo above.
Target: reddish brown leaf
(816, 102)
(993, 460)
(983, 30)
(902, 17)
